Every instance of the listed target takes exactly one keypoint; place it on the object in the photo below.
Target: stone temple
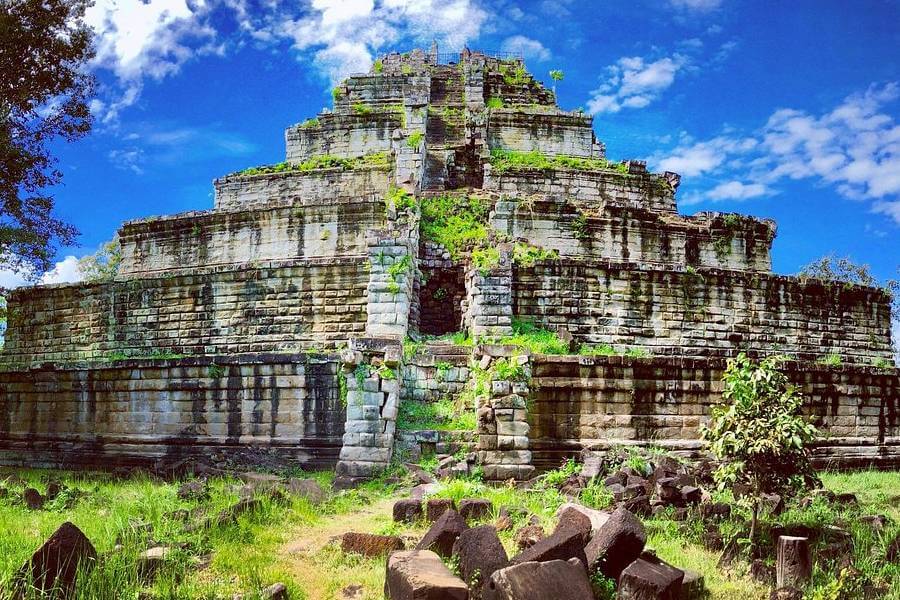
(439, 195)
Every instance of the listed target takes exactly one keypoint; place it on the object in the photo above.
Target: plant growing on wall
(759, 432)
(415, 139)
(396, 270)
(458, 222)
(556, 75)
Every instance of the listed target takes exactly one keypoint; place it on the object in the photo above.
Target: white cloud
(65, 271)
(853, 147)
(736, 190)
(153, 39)
(528, 47)
(634, 83)
(696, 5)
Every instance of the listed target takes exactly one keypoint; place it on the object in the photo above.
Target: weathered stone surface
(648, 578)
(480, 553)
(560, 545)
(150, 561)
(192, 490)
(597, 517)
(475, 509)
(443, 533)
(618, 542)
(786, 593)
(276, 591)
(420, 575)
(408, 511)
(57, 562)
(306, 488)
(557, 579)
(793, 566)
(33, 499)
(435, 507)
(370, 544)
(692, 586)
(529, 535)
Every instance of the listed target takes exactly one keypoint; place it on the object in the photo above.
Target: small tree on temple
(759, 432)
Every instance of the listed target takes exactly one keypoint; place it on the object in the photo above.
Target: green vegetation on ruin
(377, 160)
(415, 139)
(458, 222)
(440, 415)
(504, 161)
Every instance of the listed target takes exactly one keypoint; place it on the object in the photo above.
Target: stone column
(392, 261)
(502, 420)
(793, 567)
(488, 310)
(371, 372)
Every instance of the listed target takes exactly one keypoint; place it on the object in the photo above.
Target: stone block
(649, 577)
(420, 575)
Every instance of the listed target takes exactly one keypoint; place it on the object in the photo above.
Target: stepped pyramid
(440, 194)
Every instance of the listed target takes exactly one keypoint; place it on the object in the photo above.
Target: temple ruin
(278, 318)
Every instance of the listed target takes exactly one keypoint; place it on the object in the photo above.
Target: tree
(103, 265)
(759, 432)
(556, 75)
(44, 92)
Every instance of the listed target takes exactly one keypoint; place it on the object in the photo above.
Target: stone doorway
(440, 301)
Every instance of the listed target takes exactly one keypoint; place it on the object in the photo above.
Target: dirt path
(322, 570)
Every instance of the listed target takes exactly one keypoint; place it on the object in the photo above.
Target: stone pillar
(793, 567)
(392, 261)
(502, 418)
(409, 141)
(488, 310)
(371, 372)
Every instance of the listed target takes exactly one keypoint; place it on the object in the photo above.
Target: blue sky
(789, 111)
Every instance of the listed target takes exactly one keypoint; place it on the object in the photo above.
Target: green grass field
(293, 541)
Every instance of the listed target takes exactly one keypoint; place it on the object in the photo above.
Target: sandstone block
(420, 575)
(369, 544)
(557, 579)
(649, 577)
(480, 553)
(443, 534)
(616, 544)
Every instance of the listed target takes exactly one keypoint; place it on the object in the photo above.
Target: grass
(442, 415)
(380, 160)
(292, 542)
(503, 161)
(456, 221)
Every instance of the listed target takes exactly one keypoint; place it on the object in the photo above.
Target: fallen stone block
(442, 535)
(193, 490)
(650, 578)
(306, 488)
(617, 544)
(435, 507)
(408, 511)
(33, 499)
(556, 579)
(597, 518)
(370, 544)
(57, 562)
(480, 553)
(692, 586)
(793, 565)
(149, 562)
(561, 545)
(475, 509)
(420, 575)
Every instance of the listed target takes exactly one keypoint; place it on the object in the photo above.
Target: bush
(759, 432)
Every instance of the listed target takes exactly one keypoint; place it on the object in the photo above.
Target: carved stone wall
(322, 186)
(301, 229)
(580, 402)
(704, 312)
(274, 306)
(343, 135)
(527, 130)
(138, 411)
(595, 188)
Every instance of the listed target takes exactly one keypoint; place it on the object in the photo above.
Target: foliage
(536, 340)
(507, 369)
(485, 258)
(503, 161)
(104, 264)
(415, 139)
(45, 48)
(378, 66)
(396, 271)
(730, 225)
(527, 255)
(494, 102)
(361, 109)
(832, 360)
(310, 123)
(337, 93)
(458, 222)
(556, 75)
(441, 415)
(844, 270)
(556, 477)
(596, 495)
(322, 161)
(580, 227)
(597, 350)
(759, 431)
(401, 200)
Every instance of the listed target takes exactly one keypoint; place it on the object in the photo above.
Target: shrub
(759, 431)
(414, 139)
(494, 102)
(457, 222)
